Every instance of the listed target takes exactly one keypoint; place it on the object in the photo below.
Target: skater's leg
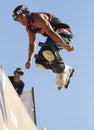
(67, 74)
(50, 50)
(63, 79)
(58, 67)
(42, 63)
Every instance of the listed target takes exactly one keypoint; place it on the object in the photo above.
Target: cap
(19, 70)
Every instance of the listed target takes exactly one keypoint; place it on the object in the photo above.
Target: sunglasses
(21, 73)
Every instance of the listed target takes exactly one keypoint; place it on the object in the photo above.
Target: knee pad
(50, 55)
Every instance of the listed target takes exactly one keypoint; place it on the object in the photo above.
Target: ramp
(13, 114)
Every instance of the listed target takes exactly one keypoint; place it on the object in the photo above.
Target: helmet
(21, 9)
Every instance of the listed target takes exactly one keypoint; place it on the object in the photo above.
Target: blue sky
(71, 109)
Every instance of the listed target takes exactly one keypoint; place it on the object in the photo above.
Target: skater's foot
(67, 74)
(63, 79)
(59, 82)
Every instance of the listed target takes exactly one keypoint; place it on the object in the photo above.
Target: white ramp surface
(13, 114)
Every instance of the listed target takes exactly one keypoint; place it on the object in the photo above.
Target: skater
(16, 81)
(58, 35)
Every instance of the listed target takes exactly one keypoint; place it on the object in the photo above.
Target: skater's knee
(58, 68)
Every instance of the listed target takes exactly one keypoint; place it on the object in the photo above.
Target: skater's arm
(67, 47)
(31, 49)
(43, 23)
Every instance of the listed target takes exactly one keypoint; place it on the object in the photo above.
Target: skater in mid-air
(59, 37)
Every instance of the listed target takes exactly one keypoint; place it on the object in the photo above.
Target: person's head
(18, 73)
(21, 14)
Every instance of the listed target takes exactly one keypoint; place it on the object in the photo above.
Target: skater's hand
(28, 64)
(68, 47)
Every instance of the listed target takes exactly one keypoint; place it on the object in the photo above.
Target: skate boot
(67, 73)
(49, 56)
(59, 82)
(63, 79)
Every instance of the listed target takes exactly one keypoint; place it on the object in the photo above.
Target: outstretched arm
(31, 49)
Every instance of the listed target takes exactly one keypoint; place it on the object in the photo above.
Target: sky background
(68, 109)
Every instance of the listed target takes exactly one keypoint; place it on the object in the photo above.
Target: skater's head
(21, 14)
